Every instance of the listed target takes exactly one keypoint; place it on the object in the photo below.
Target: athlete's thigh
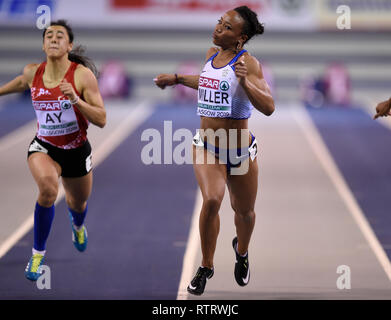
(43, 168)
(243, 188)
(79, 189)
(210, 174)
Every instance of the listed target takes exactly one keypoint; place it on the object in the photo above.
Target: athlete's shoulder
(84, 76)
(83, 71)
(30, 70)
(32, 66)
(252, 63)
(211, 52)
(250, 59)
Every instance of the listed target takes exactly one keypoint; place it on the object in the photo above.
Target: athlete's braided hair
(251, 25)
(77, 54)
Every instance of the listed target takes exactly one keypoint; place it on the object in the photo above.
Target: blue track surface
(361, 147)
(139, 216)
(138, 223)
(14, 114)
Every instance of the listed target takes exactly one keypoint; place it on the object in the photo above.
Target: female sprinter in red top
(66, 97)
(229, 86)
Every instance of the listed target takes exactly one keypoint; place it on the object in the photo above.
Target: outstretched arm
(191, 81)
(163, 80)
(250, 77)
(21, 82)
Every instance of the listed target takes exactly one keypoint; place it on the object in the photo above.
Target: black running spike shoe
(242, 267)
(197, 285)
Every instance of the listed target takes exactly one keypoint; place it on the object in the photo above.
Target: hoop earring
(238, 46)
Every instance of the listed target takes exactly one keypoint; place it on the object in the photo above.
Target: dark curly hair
(251, 25)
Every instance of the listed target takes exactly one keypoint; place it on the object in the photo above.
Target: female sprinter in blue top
(229, 86)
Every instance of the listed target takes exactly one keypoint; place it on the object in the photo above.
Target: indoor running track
(324, 184)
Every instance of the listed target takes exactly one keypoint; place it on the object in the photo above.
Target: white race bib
(55, 118)
(214, 98)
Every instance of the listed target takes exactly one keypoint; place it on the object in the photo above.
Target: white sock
(42, 253)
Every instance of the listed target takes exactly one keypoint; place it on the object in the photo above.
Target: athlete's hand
(383, 109)
(163, 80)
(67, 90)
(241, 71)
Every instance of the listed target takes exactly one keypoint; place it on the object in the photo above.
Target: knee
(244, 213)
(48, 190)
(211, 205)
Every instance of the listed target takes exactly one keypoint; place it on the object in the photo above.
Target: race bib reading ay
(55, 118)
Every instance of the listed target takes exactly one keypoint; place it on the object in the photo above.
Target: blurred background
(325, 164)
(300, 50)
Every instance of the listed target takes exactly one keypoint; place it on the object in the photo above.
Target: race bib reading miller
(214, 98)
(55, 118)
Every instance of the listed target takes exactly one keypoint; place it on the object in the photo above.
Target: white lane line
(137, 115)
(324, 157)
(191, 250)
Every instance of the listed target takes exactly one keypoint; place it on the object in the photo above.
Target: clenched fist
(383, 109)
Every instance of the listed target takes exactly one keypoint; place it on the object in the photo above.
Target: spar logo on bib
(65, 105)
(224, 86)
(209, 83)
(47, 105)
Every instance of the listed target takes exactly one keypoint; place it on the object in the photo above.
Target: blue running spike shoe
(33, 269)
(79, 237)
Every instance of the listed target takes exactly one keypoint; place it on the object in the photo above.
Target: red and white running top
(58, 121)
